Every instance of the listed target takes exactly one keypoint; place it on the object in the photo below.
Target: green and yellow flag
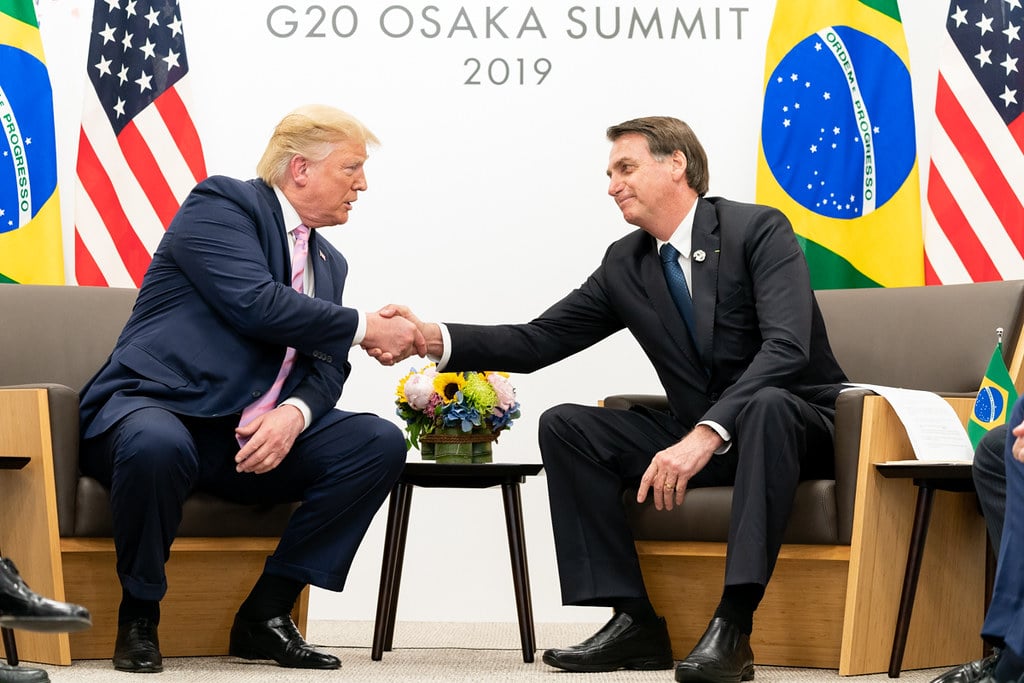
(838, 151)
(996, 397)
(30, 231)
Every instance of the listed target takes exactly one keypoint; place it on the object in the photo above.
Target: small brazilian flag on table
(996, 397)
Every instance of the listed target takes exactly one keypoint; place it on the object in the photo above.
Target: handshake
(394, 333)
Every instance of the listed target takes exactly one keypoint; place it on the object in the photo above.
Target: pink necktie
(268, 401)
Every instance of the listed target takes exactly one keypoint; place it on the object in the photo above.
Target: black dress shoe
(620, 644)
(971, 672)
(21, 608)
(722, 655)
(20, 674)
(137, 649)
(277, 639)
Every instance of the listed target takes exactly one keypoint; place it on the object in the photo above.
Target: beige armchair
(834, 597)
(52, 340)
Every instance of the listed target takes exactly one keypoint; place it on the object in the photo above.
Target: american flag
(139, 153)
(974, 228)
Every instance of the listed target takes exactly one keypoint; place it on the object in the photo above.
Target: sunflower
(447, 384)
(400, 389)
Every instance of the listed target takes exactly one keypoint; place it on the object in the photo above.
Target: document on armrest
(933, 427)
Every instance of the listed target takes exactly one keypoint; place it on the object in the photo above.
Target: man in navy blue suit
(225, 379)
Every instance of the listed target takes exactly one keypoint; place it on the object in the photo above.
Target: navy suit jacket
(758, 323)
(216, 312)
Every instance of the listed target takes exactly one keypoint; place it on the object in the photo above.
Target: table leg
(403, 532)
(922, 516)
(394, 546)
(520, 571)
(10, 646)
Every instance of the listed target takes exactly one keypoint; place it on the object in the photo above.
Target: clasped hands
(394, 333)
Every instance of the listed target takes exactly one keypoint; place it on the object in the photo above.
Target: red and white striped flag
(139, 153)
(974, 226)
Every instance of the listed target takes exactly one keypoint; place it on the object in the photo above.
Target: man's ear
(678, 165)
(298, 168)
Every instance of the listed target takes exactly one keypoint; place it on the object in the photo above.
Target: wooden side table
(467, 476)
(928, 478)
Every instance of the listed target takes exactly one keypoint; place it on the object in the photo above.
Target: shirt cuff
(360, 330)
(722, 432)
(307, 414)
(446, 340)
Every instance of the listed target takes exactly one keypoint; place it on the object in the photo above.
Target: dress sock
(272, 596)
(739, 603)
(133, 608)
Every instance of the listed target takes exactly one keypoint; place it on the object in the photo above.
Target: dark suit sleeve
(222, 246)
(578, 321)
(783, 302)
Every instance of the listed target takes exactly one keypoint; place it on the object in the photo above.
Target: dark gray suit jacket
(758, 323)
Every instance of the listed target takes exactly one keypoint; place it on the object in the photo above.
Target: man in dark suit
(999, 480)
(749, 376)
(225, 379)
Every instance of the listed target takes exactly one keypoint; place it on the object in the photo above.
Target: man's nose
(614, 185)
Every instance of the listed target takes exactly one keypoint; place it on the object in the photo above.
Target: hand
(671, 469)
(1018, 445)
(270, 438)
(391, 338)
(431, 333)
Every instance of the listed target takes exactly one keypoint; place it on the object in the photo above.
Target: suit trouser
(989, 474)
(341, 468)
(1005, 619)
(592, 454)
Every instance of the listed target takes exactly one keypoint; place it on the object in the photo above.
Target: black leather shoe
(137, 649)
(21, 608)
(971, 672)
(722, 655)
(620, 644)
(277, 639)
(20, 674)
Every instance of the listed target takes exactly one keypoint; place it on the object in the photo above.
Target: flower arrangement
(455, 402)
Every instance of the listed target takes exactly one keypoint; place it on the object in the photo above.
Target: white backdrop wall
(486, 200)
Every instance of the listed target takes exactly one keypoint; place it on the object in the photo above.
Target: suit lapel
(660, 298)
(323, 283)
(704, 275)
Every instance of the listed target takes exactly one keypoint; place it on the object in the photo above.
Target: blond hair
(311, 131)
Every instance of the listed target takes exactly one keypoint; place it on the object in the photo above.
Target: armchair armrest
(62, 402)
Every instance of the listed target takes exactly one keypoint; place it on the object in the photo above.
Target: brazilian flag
(996, 397)
(838, 150)
(30, 227)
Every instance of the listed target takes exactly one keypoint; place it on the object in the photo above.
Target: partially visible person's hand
(671, 469)
(268, 439)
(391, 338)
(1018, 444)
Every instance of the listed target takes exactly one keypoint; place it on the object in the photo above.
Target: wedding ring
(670, 487)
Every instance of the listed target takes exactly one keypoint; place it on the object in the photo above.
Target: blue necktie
(677, 286)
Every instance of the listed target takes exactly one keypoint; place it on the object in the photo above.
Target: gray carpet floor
(425, 652)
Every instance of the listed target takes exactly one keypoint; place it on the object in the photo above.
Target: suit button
(713, 397)
(328, 358)
(256, 394)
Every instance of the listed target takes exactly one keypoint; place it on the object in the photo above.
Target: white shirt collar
(291, 216)
(682, 238)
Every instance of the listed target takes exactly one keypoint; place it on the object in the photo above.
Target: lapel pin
(699, 256)
(322, 257)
